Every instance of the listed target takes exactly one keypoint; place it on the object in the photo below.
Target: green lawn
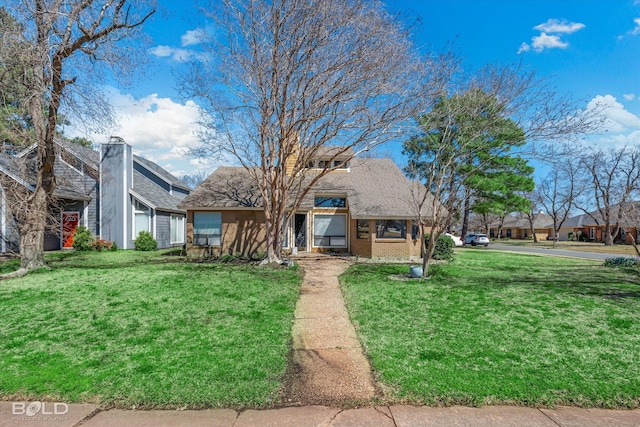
(146, 329)
(501, 328)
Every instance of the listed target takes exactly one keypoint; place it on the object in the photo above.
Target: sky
(589, 49)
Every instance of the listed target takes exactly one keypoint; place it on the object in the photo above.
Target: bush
(444, 248)
(83, 239)
(622, 262)
(145, 242)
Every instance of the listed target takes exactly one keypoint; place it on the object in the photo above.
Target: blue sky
(588, 48)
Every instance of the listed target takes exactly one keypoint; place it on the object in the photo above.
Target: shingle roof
(153, 167)
(88, 155)
(375, 188)
(18, 170)
(150, 192)
(540, 220)
(587, 220)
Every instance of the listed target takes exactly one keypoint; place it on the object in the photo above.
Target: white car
(474, 239)
(456, 240)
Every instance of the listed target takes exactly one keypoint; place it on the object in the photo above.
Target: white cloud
(546, 41)
(192, 37)
(617, 119)
(158, 129)
(176, 54)
(557, 26)
(629, 96)
(636, 30)
(550, 33)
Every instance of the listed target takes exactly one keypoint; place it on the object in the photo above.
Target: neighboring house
(586, 226)
(111, 192)
(518, 227)
(363, 208)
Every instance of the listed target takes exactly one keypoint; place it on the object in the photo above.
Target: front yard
(501, 328)
(147, 330)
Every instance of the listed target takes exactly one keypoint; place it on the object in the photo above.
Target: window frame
(329, 198)
(392, 238)
(330, 246)
(182, 219)
(137, 211)
(195, 239)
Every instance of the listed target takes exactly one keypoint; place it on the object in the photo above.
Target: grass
(572, 246)
(495, 328)
(148, 330)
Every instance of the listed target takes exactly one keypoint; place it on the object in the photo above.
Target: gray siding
(86, 184)
(179, 193)
(163, 229)
(115, 206)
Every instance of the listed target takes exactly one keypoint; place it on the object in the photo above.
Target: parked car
(457, 241)
(474, 239)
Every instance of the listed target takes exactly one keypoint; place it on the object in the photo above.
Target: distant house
(112, 192)
(590, 227)
(518, 227)
(363, 207)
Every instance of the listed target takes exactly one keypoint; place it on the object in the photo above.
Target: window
(330, 202)
(623, 235)
(311, 165)
(340, 164)
(330, 231)
(207, 228)
(592, 234)
(415, 231)
(508, 233)
(391, 229)
(177, 229)
(363, 229)
(142, 218)
(323, 164)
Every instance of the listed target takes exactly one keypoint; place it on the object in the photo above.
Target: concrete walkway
(327, 365)
(382, 416)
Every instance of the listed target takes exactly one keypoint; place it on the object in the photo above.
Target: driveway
(555, 252)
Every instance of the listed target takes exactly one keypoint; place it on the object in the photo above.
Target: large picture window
(391, 229)
(330, 231)
(207, 228)
(142, 218)
(177, 229)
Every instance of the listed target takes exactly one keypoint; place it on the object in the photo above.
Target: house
(590, 227)
(363, 207)
(519, 227)
(112, 192)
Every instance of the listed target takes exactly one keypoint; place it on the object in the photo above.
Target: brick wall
(242, 233)
(394, 247)
(361, 247)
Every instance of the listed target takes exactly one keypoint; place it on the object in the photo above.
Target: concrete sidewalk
(399, 415)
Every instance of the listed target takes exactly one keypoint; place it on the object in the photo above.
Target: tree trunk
(465, 215)
(427, 250)
(32, 232)
(608, 236)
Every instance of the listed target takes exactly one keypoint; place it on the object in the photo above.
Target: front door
(70, 222)
(300, 231)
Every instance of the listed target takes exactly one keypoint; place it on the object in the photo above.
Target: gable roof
(375, 188)
(18, 170)
(587, 220)
(152, 194)
(162, 173)
(520, 221)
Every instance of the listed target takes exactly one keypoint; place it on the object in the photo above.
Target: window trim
(135, 210)
(194, 228)
(358, 236)
(387, 239)
(346, 231)
(329, 197)
(182, 219)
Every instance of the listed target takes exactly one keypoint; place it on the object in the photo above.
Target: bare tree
(558, 192)
(288, 78)
(55, 46)
(631, 223)
(614, 177)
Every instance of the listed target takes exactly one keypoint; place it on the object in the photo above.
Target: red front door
(70, 222)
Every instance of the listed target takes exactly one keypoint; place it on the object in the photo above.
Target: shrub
(102, 245)
(444, 248)
(83, 239)
(145, 242)
(622, 262)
